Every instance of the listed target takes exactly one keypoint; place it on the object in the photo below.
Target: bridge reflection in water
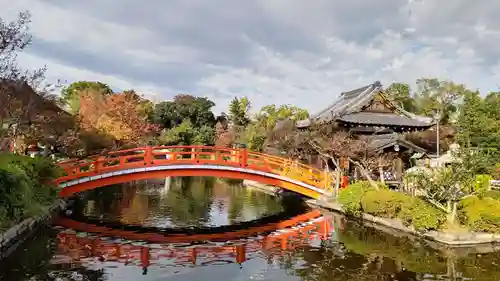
(296, 232)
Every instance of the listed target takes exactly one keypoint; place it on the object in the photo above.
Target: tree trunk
(452, 211)
(338, 176)
(365, 173)
(381, 171)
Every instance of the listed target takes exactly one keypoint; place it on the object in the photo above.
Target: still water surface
(203, 229)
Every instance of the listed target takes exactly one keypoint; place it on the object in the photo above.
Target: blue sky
(298, 52)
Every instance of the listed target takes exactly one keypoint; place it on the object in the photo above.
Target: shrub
(359, 198)
(383, 202)
(482, 183)
(350, 197)
(25, 186)
(412, 210)
(481, 214)
(422, 215)
(494, 194)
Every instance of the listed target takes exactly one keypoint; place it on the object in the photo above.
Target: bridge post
(243, 157)
(98, 163)
(148, 155)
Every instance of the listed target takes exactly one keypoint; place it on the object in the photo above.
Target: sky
(300, 52)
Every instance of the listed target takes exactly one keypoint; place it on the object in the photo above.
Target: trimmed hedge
(481, 214)
(350, 197)
(359, 198)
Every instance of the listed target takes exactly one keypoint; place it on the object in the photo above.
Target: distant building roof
(348, 109)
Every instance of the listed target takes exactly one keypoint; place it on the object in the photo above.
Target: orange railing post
(148, 155)
(243, 157)
(240, 254)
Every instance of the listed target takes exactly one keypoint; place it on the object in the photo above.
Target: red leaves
(117, 115)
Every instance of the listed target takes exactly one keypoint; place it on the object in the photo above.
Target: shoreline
(19, 233)
(454, 240)
(450, 240)
(272, 190)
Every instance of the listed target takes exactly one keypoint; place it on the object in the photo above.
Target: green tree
(198, 110)
(400, 93)
(70, 95)
(258, 132)
(255, 137)
(239, 112)
(270, 115)
(479, 131)
(434, 95)
(186, 134)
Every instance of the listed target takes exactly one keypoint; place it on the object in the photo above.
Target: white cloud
(272, 51)
(67, 74)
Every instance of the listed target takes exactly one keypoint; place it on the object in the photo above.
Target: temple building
(367, 112)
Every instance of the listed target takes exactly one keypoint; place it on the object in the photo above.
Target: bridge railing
(194, 155)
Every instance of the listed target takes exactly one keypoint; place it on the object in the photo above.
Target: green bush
(494, 194)
(350, 197)
(383, 202)
(482, 183)
(481, 214)
(25, 187)
(359, 198)
(412, 210)
(421, 215)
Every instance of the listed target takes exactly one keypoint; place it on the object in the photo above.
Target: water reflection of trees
(34, 261)
(367, 254)
(188, 201)
(176, 202)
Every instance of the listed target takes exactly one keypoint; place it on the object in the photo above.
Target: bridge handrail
(196, 154)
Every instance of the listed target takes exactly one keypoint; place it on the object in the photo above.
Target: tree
(479, 130)
(14, 37)
(117, 115)
(223, 134)
(19, 102)
(70, 95)
(333, 147)
(356, 150)
(186, 134)
(198, 110)
(400, 93)
(239, 112)
(270, 115)
(434, 95)
(257, 133)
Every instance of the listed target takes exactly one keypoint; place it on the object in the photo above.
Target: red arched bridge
(162, 161)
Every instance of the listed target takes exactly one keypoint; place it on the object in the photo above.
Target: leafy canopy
(198, 110)
(70, 95)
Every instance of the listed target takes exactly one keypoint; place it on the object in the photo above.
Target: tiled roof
(382, 119)
(347, 109)
(378, 142)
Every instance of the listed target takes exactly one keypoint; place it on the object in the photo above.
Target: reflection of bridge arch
(286, 236)
(156, 162)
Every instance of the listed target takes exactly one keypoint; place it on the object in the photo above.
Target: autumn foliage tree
(20, 105)
(118, 116)
(223, 134)
(333, 147)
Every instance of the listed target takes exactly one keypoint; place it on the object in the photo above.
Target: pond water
(205, 229)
